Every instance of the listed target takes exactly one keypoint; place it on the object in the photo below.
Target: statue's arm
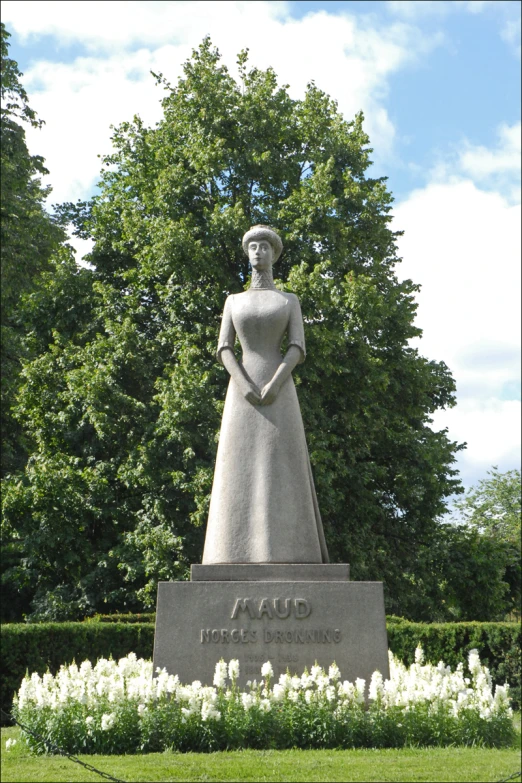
(292, 357)
(226, 355)
(249, 390)
(295, 355)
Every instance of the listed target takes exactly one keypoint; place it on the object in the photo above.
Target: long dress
(263, 507)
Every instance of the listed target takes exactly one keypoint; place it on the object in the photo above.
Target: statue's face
(260, 254)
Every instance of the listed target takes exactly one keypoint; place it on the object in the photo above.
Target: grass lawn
(434, 764)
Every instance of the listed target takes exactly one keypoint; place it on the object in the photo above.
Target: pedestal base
(291, 624)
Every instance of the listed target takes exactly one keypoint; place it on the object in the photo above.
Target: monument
(265, 589)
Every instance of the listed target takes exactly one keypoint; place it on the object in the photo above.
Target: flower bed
(117, 707)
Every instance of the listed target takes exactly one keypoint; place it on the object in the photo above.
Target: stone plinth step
(271, 572)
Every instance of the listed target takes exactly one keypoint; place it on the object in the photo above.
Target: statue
(263, 507)
(265, 590)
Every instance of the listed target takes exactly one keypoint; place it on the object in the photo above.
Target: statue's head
(263, 246)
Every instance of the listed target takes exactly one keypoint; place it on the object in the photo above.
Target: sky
(439, 85)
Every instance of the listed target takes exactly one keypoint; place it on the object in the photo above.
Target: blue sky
(439, 83)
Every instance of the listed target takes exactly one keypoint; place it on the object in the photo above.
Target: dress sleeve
(296, 328)
(227, 333)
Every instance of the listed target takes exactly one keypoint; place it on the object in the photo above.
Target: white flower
(330, 693)
(107, 721)
(316, 672)
(347, 689)
(233, 669)
(334, 672)
(89, 719)
(141, 709)
(10, 743)
(419, 655)
(208, 711)
(360, 686)
(264, 705)
(220, 675)
(376, 685)
(322, 682)
(474, 662)
(266, 670)
(247, 700)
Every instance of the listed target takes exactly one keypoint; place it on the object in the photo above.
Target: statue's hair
(256, 233)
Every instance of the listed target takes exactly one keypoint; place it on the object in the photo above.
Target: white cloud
(462, 244)
(79, 102)
(491, 428)
(476, 6)
(505, 12)
(345, 55)
(106, 25)
(511, 34)
(481, 163)
(413, 9)
(81, 247)
(496, 168)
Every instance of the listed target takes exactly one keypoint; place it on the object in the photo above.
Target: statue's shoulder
(230, 298)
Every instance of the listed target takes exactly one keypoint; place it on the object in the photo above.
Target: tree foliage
(489, 522)
(124, 397)
(471, 571)
(28, 236)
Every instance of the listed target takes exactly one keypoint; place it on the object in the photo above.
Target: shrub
(140, 617)
(46, 646)
(118, 708)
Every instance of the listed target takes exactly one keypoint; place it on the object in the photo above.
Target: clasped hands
(265, 396)
(268, 394)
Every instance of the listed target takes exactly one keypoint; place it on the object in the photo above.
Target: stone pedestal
(291, 615)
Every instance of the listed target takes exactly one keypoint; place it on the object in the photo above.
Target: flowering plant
(118, 707)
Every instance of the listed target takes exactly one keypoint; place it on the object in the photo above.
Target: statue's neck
(262, 278)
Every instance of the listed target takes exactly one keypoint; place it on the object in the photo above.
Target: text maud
(271, 609)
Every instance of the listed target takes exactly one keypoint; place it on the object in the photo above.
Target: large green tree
(28, 237)
(124, 409)
(487, 525)
(471, 570)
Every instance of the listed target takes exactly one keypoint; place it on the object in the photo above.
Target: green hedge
(47, 645)
(39, 646)
(498, 645)
(144, 617)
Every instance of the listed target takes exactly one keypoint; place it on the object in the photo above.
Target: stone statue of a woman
(263, 507)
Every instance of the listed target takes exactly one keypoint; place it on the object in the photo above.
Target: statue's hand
(251, 393)
(269, 393)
